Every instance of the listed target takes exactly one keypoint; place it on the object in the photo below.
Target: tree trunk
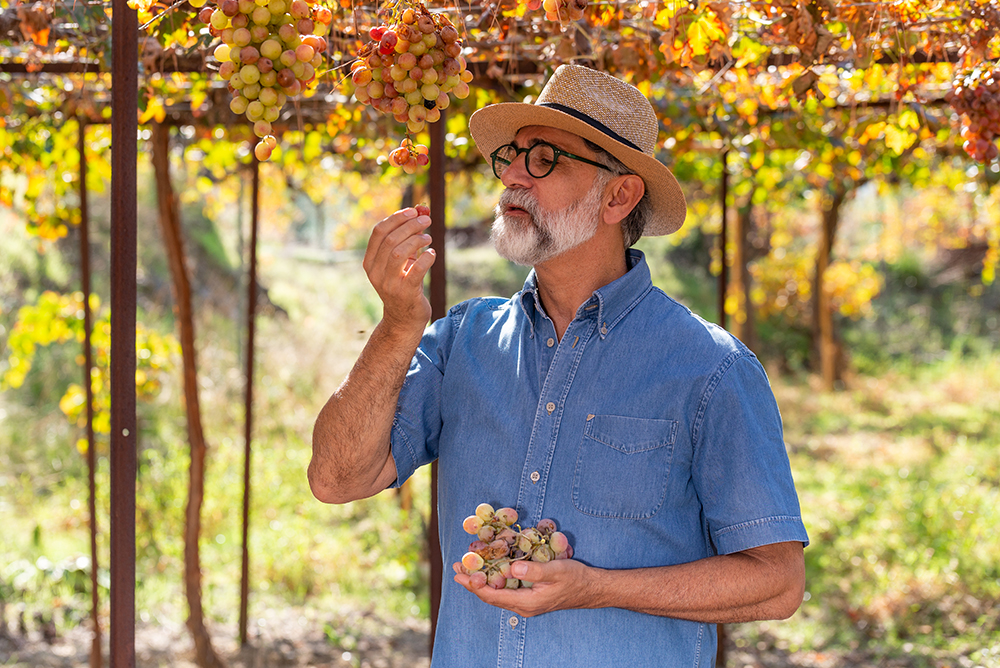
(743, 321)
(825, 346)
(169, 217)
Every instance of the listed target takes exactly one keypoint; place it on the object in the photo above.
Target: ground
(287, 638)
(300, 637)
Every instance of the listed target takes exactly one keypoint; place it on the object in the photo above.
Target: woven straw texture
(620, 107)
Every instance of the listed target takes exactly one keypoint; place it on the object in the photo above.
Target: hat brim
(498, 124)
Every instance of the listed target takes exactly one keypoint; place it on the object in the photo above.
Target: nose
(516, 175)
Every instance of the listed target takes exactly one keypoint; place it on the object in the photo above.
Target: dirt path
(298, 637)
(285, 638)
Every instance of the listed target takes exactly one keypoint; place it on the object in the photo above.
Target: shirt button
(604, 329)
(535, 477)
(551, 342)
(550, 407)
(513, 622)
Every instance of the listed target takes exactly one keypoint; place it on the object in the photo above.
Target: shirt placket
(562, 359)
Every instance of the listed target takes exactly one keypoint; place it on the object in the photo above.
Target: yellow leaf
(909, 119)
(712, 26)
(153, 110)
(898, 139)
(698, 38)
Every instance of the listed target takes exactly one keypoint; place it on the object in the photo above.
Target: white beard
(545, 234)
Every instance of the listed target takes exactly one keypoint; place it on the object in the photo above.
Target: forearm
(746, 586)
(351, 450)
(761, 583)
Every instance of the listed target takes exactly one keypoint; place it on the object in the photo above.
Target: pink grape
(304, 53)
(472, 561)
(545, 527)
(496, 580)
(299, 9)
(262, 151)
(478, 579)
(558, 541)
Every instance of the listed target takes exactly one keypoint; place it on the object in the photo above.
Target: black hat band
(594, 123)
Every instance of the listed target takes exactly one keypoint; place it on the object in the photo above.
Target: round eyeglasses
(540, 161)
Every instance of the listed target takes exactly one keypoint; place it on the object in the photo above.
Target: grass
(899, 482)
(898, 476)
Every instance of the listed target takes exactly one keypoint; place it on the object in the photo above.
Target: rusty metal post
(248, 410)
(724, 273)
(720, 653)
(88, 364)
(438, 301)
(124, 128)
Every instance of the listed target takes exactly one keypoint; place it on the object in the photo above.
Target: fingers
(396, 264)
(398, 237)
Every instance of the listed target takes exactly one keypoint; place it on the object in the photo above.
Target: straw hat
(605, 110)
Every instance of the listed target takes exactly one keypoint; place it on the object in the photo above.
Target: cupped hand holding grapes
(396, 267)
(556, 585)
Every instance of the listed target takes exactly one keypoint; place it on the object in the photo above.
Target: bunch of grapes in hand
(500, 541)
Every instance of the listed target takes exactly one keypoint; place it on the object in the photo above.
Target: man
(650, 436)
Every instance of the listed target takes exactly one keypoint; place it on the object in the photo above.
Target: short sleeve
(416, 426)
(740, 468)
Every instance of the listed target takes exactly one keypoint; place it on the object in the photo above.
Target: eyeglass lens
(540, 159)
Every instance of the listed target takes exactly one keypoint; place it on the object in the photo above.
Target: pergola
(124, 73)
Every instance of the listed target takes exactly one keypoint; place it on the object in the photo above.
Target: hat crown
(618, 106)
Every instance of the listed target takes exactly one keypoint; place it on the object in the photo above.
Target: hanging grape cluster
(500, 541)
(270, 51)
(559, 10)
(976, 97)
(409, 67)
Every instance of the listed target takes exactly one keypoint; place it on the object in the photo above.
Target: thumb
(525, 570)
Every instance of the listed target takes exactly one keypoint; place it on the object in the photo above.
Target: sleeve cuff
(764, 531)
(402, 454)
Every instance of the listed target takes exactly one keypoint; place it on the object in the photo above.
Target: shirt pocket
(623, 466)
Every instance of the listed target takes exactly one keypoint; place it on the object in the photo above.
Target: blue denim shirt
(650, 436)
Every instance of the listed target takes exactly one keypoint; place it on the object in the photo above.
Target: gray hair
(635, 222)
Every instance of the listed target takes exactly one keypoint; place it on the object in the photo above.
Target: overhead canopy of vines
(728, 62)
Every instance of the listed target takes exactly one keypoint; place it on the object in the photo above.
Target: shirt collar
(611, 302)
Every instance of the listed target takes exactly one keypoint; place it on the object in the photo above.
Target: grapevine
(270, 51)
(408, 69)
(498, 544)
(976, 96)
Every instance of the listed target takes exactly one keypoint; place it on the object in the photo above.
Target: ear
(624, 193)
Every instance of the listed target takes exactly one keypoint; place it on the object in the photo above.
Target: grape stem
(162, 14)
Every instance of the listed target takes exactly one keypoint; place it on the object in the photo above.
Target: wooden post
(720, 653)
(248, 410)
(88, 365)
(438, 301)
(124, 128)
(724, 273)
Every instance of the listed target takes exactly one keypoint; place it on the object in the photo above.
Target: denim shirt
(650, 436)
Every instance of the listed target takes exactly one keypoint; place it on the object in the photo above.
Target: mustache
(520, 199)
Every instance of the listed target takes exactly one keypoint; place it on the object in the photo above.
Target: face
(539, 219)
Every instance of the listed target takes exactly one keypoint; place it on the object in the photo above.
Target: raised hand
(396, 267)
